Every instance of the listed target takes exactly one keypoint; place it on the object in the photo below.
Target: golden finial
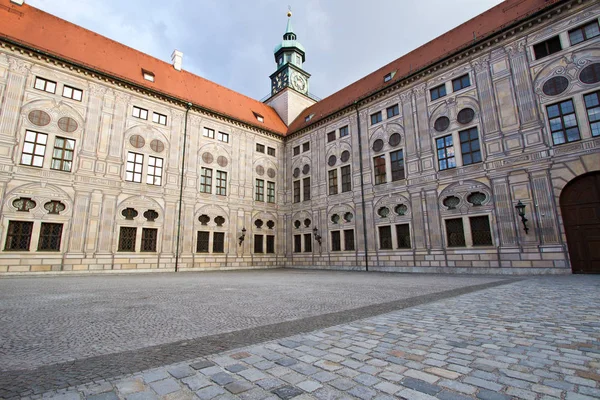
(289, 13)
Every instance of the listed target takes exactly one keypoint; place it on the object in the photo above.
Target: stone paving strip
(537, 339)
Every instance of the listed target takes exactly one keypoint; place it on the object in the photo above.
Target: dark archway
(580, 206)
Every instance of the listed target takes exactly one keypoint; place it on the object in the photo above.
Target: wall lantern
(521, 210)
(243, 236)
(318, 237)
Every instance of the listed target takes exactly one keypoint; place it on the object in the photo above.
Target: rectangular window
(592, 104)
(376, 118)
(271, 151)
(140, 113)
(349, 239)
(206, 180)
(218, 242)
(306, 189)
(127, 238)
(331, 137)
(584, 32)
(155, 167)
(393, 111)
(18, 235)
(545, 48)
(403, 235)
(202, 244)
(397, 160)
(296, 150)
(270, 192)
(445, 152)
(50, 237)
(437, 92)
(297, 243)
(336, 244)
(379, 168)
(563, 122)
(270, 244)
(385, 238)
(62, 156)
(135, 163)
(260, 148)
(333, 184)
(305, 147)
(34, 149)
(223, 137)
(346, 181)
(258, 243)
(307, 243)
(260, 190)
(149, 236)
(461, 82)
(455, 232)
(344, 131)
(45, 85)
(296, 191)
(469, 146)
(480, 231)
(72, 93)
(209, 133)
(222, 183)
(159, 118)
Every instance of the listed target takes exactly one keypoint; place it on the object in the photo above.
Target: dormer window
(389, 76)
(308, 117)
(149, 76)
(259, 117)
(280, 60)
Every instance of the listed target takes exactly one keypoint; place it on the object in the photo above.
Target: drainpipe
(188, 106)
(362, 189)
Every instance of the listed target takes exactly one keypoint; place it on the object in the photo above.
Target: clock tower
(289, 83)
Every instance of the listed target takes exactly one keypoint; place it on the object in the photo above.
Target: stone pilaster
(485, 91)
(544, 208)
(80, 219)
(522, 83)
(108, 232)
(418, 221)
(13, 94)
(504, 207)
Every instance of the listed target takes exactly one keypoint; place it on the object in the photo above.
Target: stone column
(528, 112)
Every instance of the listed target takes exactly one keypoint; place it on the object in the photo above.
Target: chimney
(17, 2)
(176, 59)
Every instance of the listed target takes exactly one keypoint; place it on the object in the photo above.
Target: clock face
(299, 83)
(280, 81)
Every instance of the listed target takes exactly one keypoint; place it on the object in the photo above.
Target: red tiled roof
(483, 25)
(32, 27)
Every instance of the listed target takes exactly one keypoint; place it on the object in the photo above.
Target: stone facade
(408, 218)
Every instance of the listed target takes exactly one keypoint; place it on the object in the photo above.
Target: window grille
(127, 238)
(202, 244)
(149, 236)
(385, 237)
(218, 242)
(480, 231)
(455, 232)
(18, 235)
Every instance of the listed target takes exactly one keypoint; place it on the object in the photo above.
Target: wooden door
(580, 206)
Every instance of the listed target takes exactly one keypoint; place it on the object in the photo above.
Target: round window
(345, 156)
(383, 212)
(348, 217)
(378, 145)
(207, 158)
(590, 74)
(451, 202)
(157, 146)
(222, 161)
(67, 124)
(465, 115)
(401, 209)
(394, 139)
(335, 218)
(271, 173)
(39, 118)
(296, 172)
(476, 198)
(297, 224)
(555, 86)
(331, 160)
(441, 124)
(306, 169)
(260, 170)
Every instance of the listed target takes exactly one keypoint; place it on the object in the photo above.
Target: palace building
(478, 152)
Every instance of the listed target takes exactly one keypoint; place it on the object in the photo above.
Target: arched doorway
(580, 206)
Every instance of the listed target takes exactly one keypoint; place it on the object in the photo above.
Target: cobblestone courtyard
(297, 334)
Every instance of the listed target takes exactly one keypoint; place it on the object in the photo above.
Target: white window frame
(131, 167)
(44, 85)
(155, 165)
(140, 113)
(223, 137)
(159, 118)
(209, 133)
(34, 152)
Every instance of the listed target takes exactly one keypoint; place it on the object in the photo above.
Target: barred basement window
(333, 184)
(34, 149)
(270, 244)
(307, 243)
(129, 213)
(54, 207)
(258, 243)
(219, 221)
(336, 241)
(18, 235)
(24, 204)
(455, 232)
(150, 215)
(218, 242)
(62, 157)
(127, 238)
(149, 236)
(297, 243)
(202, 244)
(204, 219)
(349, 239)
(385, 237)
(480, 231)
(403, 235)
(50, 237)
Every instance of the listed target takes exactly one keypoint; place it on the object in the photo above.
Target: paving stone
(104, 396)
(165, 386)
(196, 382)
(367, 380)
(304, 369)
(287, 392)
(145, 395)
(222, 378)
(521, 393)
(577, 396)
(342, 384)
(410, 394)
(309, 386)
(181, 371)
(210, 392)
(444, 373)
(362, 392)
(270, 383)
(447, 395)
(286, 362)
(485, 394)
(235, 368)
(483, 383)
(421, 386)
(238, 387)
(252, 374)
(155, 375)
(422, 376)
(323, 376)
(387, 387)
(129, 386)
(65, 396)
(458, 386)
(328, 365)
(202, 364)
(390, 376)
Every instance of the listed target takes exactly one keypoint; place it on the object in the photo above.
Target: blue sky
(231, 41)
